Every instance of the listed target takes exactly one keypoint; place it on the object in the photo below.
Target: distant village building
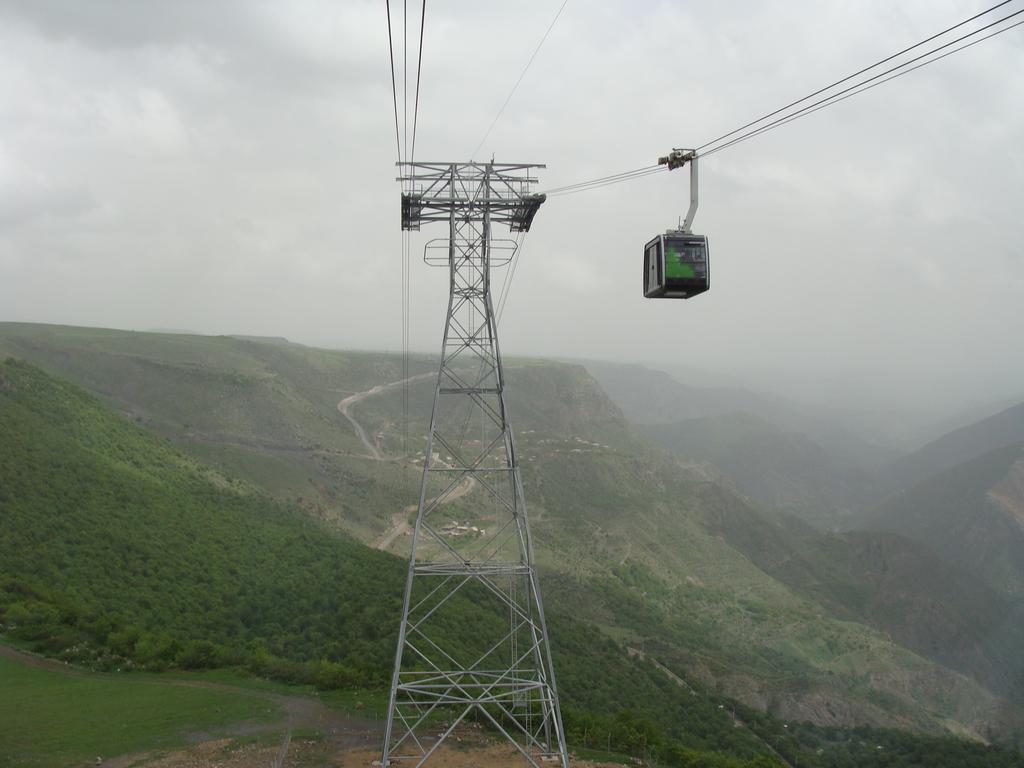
(456, 529)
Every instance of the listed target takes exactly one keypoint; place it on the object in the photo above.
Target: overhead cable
(394, 89)
(852, 90)
(406, 245)
(858, 87)
(850, 77)
(863, 88)
(506, 286)
(612, 179)
(405, 76)
(419, 68)
(521, 76)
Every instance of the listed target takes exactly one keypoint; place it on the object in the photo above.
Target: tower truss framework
(473, 642)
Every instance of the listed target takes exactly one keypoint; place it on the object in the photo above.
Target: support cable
(406, 238)
(521, 76)
(872, 85)
(858, 87)
(405, 345)
(407, 251)
(605, 181)
(406, 243)
(612, 177)
(405, 75)
(419, 68)
(394, 89)
(506, 286)
(850, 77)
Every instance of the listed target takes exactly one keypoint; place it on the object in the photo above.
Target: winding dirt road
(400, 520)
(399, 524)
(346, 404)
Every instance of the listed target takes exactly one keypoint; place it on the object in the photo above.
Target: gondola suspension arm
(677, 158)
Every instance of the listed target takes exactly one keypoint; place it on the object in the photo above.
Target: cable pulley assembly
(676, 264)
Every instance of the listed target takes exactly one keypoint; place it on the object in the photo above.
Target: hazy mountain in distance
(779, 453)
(892, 583)
(649, 396)
(945, 423)
(773, 466)
(970, 515)
(953, 448)
(265, 339)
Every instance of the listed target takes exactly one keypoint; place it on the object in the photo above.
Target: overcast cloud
(228, 167)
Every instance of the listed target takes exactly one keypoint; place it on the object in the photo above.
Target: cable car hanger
(677, 158)
(676, 264)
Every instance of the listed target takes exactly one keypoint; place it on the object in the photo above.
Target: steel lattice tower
(471, 544)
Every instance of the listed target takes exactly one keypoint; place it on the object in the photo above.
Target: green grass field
(49, 718)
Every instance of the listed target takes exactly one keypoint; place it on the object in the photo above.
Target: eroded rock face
(1008, 494)
(888, 702)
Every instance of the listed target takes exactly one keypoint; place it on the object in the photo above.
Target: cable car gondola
(676, 264)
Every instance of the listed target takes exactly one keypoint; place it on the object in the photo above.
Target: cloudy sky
(228, 167)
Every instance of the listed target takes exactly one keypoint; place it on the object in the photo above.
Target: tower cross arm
(436, 191)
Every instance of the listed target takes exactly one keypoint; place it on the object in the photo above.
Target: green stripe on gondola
(675, 266)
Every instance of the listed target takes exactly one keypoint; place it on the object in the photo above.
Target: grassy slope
(954, 448)
(600, 500)
(897, 585)
(265, 412)
(673, 558)
(111, 532)
(954, 516)
(48, 718)
(607, 508)
(118, 550)
(773, 466)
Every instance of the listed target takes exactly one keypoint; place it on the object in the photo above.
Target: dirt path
(400, 526)
(38, 662)
(629, 551)
(661, 667)
(346, 404)
(466, 749)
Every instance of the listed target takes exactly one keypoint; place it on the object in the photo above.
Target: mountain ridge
(960, 516)
(584, 469)
(956, 447)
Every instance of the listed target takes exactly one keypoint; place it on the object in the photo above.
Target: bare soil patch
(466, 749)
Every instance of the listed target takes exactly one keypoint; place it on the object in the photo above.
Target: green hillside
(776, 452)
(116, 546)
(898, 586)
(971, 516)
(890, 582)
(774, 467)
(262, 411)
(119, 551)
(954, 448)
(50, 718)
(630, 540)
